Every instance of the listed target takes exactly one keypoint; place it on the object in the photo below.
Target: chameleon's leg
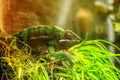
(51, 51)
(59, 55)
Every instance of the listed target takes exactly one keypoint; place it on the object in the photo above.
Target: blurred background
(91, 19)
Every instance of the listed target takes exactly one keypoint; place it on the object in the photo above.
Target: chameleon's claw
(62, 55)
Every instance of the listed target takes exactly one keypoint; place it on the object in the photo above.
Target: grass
(91, 61)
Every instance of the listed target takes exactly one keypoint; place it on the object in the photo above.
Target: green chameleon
(53, 39)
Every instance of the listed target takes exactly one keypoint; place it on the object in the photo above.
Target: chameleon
(52, 38)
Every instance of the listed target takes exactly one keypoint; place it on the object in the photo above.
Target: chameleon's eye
(71, 35)
(68, 35)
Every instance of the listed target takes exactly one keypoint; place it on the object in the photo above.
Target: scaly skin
(51, 38)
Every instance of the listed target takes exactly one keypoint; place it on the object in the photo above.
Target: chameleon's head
(71, 35)
(70, 39)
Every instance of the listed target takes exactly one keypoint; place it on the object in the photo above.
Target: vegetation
(91, 61)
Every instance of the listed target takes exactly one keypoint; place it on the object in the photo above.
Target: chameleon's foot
(68, 59)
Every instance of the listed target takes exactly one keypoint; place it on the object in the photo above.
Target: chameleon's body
(40, 36)
(53, 39)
